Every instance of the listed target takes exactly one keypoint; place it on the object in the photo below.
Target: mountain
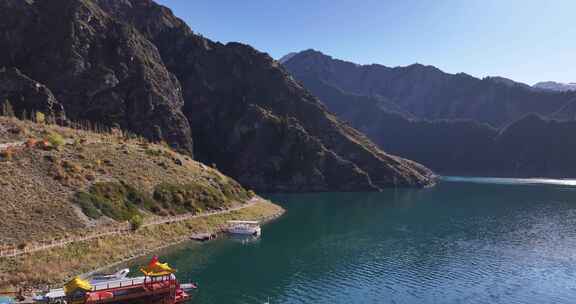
(526, 147)
(535, 146)
(555, 86)
(426, 92)
(287, 57)
(133, 64)
(508, 82)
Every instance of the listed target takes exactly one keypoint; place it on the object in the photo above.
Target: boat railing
(119, 284)
(104, 293)
(140, 281)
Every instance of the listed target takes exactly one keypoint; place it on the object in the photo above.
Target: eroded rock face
(27, 95)
(132, 62)
(100, 69)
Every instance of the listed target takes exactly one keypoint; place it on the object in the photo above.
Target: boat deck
(121, 283)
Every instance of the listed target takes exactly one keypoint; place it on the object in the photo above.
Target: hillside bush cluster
(123, 202)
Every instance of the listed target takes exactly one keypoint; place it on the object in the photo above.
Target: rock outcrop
(27, 96)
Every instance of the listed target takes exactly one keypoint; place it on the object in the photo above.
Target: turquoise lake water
(464, 241)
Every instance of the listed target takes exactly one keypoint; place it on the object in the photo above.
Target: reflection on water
(244, 239)
(454, 243)
(5, 300)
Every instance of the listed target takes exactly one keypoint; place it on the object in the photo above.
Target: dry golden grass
(37, 185)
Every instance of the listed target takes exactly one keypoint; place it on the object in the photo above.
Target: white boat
(100, 278)
(244, 227)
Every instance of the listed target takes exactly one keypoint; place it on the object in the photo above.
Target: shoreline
(52, 268)
(263, 221)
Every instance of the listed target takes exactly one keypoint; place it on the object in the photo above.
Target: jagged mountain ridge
(529, 147)
(555, 86)
(133, 63)
(428, 93)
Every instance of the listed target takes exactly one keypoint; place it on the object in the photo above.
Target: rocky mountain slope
(530, 146)
(132, 63)
(426, 92)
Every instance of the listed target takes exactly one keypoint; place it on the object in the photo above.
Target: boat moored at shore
(244, 228)
(158, 285)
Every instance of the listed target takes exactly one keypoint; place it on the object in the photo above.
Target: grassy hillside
(60, 182)
(78, 179)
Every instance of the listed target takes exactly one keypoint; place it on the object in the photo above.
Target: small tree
(7, 155)
(136, 222)
(7, 109)
(55, 139)
(40, 117)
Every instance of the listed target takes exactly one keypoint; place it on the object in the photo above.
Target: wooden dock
(203, 237)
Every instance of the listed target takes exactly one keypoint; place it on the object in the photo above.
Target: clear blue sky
(526, 40)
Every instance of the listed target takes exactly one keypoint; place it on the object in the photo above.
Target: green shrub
(55, 139)
(84, 200)
(136, 222)
(190, 197)
(153, 152)
(7, 155)
(7, 109)
(40, 117)
(122, 202)
(118, 201)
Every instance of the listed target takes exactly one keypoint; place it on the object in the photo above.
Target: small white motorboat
(100, 278)
(244, 228)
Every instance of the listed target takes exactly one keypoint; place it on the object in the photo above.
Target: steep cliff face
(133, 63)
(534, 146)
(448, 147)
(528, 147)
(428, 93)
(99, 69)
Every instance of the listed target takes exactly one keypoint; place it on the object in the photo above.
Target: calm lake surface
(464, 241)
